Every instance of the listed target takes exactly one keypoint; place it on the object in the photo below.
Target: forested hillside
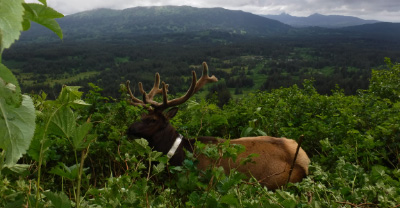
(137, 21)
(107, 47)
(258, 63)
(71, 149)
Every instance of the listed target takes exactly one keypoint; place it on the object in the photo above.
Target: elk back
(272, 165)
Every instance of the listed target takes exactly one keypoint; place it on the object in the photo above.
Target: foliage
(16, 111)
(384, 83)
(80, 155)
(10, 24)
(126, 173)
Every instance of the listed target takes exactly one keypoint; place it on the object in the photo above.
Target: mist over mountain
(319, 20)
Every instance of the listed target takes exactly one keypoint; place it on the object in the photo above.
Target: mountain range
(159, 20)
(163, 20)
(319, 20)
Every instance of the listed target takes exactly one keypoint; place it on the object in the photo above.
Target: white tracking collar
(175, 146)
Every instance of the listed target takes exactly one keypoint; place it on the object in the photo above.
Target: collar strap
(175, 146)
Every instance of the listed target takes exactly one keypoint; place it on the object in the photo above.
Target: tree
(385, 83)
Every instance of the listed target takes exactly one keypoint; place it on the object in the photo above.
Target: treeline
(330, 60)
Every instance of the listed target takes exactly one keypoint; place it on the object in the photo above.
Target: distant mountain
(381, 30)
(329, 21)
(161, 20)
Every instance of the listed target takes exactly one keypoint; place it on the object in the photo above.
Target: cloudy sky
(383, 10)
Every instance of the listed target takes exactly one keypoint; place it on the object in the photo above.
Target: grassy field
(29, 79)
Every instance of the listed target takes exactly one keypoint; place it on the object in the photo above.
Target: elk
(276, 155)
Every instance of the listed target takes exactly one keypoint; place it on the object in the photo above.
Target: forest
(62, 146)
(266, 63)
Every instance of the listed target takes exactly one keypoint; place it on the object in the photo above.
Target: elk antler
(195, 86)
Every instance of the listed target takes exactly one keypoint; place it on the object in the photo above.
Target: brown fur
(271, 168)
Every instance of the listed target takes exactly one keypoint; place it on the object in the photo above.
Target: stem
(42, 141)
(39, 174)
(295, 157)
(78, 191)
(148, 171)
(2, 156)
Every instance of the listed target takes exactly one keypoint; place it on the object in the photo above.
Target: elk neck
(164, 140)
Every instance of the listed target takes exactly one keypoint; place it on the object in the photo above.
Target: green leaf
(81, 132)
(17, 126)
(43, 15)
(72, 96)
(9, 88)
(17, 203)
(26, 24)
(79, 103)
(11, 16)
(36, 144)
(289, 203)
(62, 170)
(261, 133)
(63, 123)
(44, 2)
(18, 168)
(246, 132)
(158, 168)
(143, 145)
(229, 183)
(230, 199)
(59, 200)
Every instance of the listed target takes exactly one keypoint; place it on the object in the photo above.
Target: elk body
(271, 168)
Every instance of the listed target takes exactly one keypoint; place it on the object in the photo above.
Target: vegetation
(178, 38)
(245, 64)
(77, 152)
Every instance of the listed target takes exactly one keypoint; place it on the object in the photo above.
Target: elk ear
(171, 113)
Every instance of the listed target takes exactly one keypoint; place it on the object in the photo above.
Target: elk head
(156, 121)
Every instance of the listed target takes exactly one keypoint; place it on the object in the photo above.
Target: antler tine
(164, 93)
(156, 90)
(195, 86)
(134, 100)
(177, 101)
(204, 79)
(141, 88)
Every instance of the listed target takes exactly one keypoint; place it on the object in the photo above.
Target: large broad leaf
(63, 123)
(70, 173)
(9, 88)
(11, 16)
(72, 96)
(59, 200)
(39, 144)
(80, 139)
(17, 125)
(43, 15)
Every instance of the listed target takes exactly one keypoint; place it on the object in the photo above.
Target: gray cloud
(384, 10)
